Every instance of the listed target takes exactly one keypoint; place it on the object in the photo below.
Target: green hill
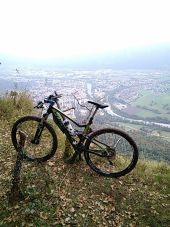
(59, 194)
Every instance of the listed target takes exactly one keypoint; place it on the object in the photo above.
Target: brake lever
(39, 105)
(57, 95)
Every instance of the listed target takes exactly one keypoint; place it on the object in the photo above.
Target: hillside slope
(59, 194)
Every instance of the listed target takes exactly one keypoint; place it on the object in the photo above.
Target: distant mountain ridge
(148, 57)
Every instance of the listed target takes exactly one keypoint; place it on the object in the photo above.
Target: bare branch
(100, 99)
(80, 103)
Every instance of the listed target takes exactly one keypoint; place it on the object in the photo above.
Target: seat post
(95, 111)
(91, 118)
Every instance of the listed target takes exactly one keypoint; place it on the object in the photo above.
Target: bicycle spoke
(110, 152)
(30, 149)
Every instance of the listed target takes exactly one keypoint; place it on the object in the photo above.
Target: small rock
(67, 219)
(83, 215)
(72, 210)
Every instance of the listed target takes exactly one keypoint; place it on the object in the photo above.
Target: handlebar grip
(39, 105)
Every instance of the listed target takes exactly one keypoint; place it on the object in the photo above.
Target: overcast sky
(58, 28)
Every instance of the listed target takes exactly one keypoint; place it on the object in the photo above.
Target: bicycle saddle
(98, 105)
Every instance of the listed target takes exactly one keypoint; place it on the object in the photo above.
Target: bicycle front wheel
(111, 152)
(23, 138)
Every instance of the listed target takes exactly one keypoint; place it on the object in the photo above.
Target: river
(110, 111)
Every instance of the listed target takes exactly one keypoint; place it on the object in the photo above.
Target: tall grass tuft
(13, 105)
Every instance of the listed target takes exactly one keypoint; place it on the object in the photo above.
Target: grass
(150, 99)
(58, 194)
(138, 127)
(165, 135)
(15, 105)
(155, 102)
(129, 126)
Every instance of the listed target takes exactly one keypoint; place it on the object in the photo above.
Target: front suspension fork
(38, 133)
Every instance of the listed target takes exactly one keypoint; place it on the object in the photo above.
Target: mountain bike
(109, 151)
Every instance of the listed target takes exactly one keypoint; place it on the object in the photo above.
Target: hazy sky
(54, 28)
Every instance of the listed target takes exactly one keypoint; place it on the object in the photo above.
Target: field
(152, 105)
(158, 133)
(129, 126)
(165, 135)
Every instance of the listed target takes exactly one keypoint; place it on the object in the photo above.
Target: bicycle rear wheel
(23, 138)
(111, 152)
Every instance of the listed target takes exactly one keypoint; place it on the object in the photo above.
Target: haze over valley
(139, 100)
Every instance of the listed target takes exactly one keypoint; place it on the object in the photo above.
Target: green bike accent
(58, 120)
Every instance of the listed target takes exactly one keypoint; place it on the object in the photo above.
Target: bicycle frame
(58, 117)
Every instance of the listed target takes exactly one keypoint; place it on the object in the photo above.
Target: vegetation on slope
(151, 146)
(152, 105)
(58, 194)
(14, 105)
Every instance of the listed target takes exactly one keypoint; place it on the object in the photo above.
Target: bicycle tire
(121, 159)
(43, 143)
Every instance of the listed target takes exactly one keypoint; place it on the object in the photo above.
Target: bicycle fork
(38, 133)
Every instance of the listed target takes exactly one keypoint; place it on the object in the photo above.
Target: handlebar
(52, 99)
(57, 95)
